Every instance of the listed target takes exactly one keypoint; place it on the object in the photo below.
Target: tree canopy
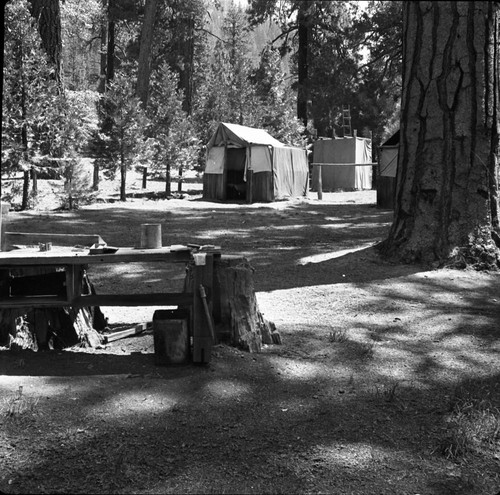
(287, 67)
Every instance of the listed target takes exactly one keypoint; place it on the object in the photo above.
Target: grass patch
(18, 403)
(338, 336)
(387, 391)
(473, 424)
(366, 350)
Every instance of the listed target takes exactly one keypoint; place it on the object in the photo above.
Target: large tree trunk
(26, 190)
(123, 181)
(95, 175)
(101, 88)
(110, 54)
(186, 70)
(447, 184)
(143, 70)
(303, 21)
(168, 181)
(48, 15)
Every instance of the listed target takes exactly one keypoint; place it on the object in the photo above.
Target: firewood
(129, 332)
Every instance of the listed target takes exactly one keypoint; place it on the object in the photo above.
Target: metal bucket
(171, 337)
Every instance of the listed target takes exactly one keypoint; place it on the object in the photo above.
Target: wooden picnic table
(71, 262)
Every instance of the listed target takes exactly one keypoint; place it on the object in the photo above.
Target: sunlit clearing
(299, 226)
(352, 225)
(298, 369)
(354, 455)
(227, 389)
(320, 258)
(140, 402)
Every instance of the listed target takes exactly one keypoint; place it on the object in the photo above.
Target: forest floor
(387, 381)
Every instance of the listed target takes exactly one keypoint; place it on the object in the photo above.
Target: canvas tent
(350, 153)
(388, 165)
(249, 164)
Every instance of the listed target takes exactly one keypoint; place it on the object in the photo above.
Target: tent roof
(240, 136)
(393, 140)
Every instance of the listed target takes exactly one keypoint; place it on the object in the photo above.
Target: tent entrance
(236, 187)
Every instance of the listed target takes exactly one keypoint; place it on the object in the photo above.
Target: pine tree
(276, 99)
(127, 119)
(171, 141)
(31, 97)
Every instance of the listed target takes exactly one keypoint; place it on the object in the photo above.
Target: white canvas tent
(350, 153)
(249, 164)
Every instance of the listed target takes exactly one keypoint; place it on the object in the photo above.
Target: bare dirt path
(387, 381)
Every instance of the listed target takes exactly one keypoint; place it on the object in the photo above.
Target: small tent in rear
(349, 156)
(249, 164)
(387, 169)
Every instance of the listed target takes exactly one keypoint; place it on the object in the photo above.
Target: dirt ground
(383, 372)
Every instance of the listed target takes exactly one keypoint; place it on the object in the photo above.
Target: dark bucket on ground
(171, 336)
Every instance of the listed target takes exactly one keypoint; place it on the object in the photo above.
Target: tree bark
(168, 181)
(187, 70)
(34, 179)
(179, 182)
(446, 209)
(123, 181)
(48, 15)
(101, 88)
(303, 64)
(26, 190)
(110, 52)
(144, 70)
(95, 177)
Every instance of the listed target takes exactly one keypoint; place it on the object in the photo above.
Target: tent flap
(215, 160)
(261, 159)
(388, 159)
(290, 172)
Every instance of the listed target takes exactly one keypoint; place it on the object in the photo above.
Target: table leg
(202, 339)
(74, 274)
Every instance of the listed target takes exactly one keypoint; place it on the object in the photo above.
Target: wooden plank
(33, 238)
(249, 193)
(345, 164)
(73, 281)
(65, 256)
(202, 339)
(141, 327)
(320, 181)
(34, 302)
(152, 299)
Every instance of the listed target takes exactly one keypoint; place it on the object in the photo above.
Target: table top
(81, 256)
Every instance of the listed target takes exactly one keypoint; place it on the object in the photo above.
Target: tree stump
(51, 327)
(234, 307)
